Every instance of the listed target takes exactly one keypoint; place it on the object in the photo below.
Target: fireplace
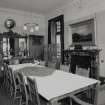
(85, 58)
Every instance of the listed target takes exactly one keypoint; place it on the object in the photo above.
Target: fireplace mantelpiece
(87, 57)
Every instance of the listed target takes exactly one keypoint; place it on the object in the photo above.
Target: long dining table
(53, 84)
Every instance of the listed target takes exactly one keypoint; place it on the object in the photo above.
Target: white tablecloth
(20, 66)
(61, 83)
(56, 83)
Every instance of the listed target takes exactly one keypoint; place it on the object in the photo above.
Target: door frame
(61, 19)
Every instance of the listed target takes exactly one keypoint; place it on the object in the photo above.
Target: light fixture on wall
(31, 27)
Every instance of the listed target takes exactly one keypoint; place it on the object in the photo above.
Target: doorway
(56, 35)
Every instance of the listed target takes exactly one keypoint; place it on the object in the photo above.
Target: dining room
(52, 52)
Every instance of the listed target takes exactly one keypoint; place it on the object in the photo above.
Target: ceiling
(38, 6)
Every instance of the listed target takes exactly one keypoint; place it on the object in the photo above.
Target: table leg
(96, 94)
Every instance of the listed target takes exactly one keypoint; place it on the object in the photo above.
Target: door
(56, 35)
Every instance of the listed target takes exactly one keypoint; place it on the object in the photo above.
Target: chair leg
(70, 101)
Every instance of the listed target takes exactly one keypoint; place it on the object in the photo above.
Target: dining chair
(51, 65)
(2, 74)
(20, 91)
(14, 61)
(83, 71)
(64, 68)
(5, 68)
(11, 82)
(74, 100)
(88, 93)
(54, 64)
(33, 96)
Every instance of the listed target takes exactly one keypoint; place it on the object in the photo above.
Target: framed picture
(83, 32)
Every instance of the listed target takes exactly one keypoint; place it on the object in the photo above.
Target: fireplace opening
(80, 65)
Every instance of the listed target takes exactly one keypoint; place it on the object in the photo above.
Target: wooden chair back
(82, 71)
(64, 68)
(88, 94)
(14, 61)
(33, 92)
(11, 76)
(2, 73)
(20, 85)
(9, 81)
(55, 64)
(77, 101)
(51, 65)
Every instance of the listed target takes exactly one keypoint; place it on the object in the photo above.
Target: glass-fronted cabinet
(13, 45)
(24, 48)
